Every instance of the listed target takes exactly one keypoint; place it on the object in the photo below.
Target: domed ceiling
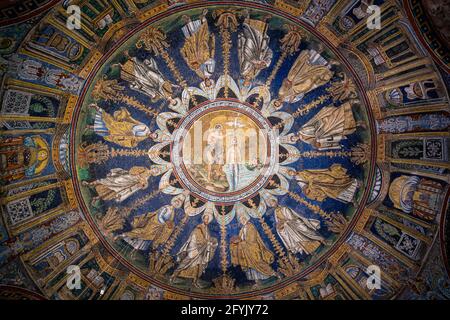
(208, 149)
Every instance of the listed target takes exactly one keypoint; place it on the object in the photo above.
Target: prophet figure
(329, 127)
(120, 184)
(309, 71)
(120, 128)
(196, 253)
(198, 49)
(253, 49)
(334, 182)
(250, 253)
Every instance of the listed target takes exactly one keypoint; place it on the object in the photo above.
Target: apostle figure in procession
(196, 253)
(308, 72)
(155, 227)
(329, 127)
(299, 234)
(120, 184)
(334, 182)
(250, 253)
(23, 157)
(120, 128)
(253, 49)
(233, 164)
(198, 49)
(145, 77)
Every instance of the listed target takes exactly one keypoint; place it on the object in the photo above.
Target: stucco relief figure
(328, 127)
(144, 76)
(334, 183)
(120, 128)
(253, 49)
(199, 47)
(120, 184)
(308, 72)
(196, 253)
(154, 226)
(299, 234)
(250, 253)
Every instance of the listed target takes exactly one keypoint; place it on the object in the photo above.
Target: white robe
(239, 176)
(164, 214)
(189, 30)
(121, 183)
(297, 230)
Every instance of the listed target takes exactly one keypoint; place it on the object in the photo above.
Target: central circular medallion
(224, 151)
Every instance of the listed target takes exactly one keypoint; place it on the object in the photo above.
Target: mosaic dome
(222, 150)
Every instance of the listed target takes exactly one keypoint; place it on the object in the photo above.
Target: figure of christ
(308, 72)
(239, 173)
(194, 256)
(232, 166)
(145, 77)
